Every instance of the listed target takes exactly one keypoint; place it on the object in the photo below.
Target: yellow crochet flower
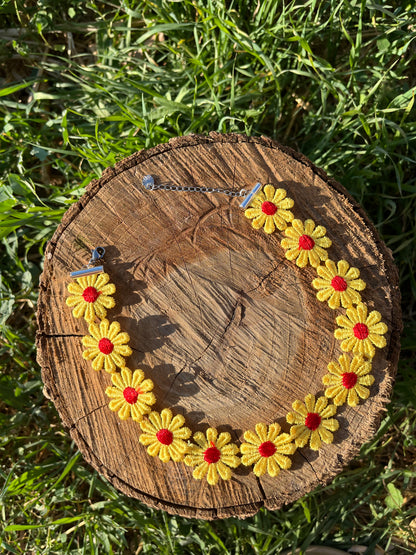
(338, 286)
(269, 208)
(313, 422)
(164, 434)
(106, 346)
(306, 243)
(212, 456)
(267, 448)
(91, 296)
(131, 394)
(347, 379)
(360, 333)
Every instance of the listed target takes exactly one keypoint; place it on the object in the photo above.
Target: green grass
(88, 83)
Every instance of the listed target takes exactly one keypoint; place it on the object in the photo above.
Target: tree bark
(230, 331)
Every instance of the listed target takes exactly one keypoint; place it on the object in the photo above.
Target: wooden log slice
(230, 331)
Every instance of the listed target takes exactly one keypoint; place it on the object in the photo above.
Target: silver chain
(149, 184)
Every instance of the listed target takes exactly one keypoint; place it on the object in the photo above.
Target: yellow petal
(200, 471)
(114, 393)
(251, 437)
(109, 365)
(330, 424)
(261, 431)
(348, 344)
(75, 289)
(166, 417)
(249, 456)
(89, 341)
(320, 405)
(252, 213)
(273, 432)
(156, 420)
(136, 379)
(200, 439)
(124, 412)
(283, 462)
(299, 407)
(332, 269)
(269, 226)
(326, 436)
(341, 397)
(320, 283)
(176, 422)
(212, 476)
(309, 228)
(363, 392)
(224, 471)
(302, 259)
(98, 363)
(352, 397)
(330, 410)
(93, 309)
(291, 254)
(260, 467)
(278, 196)
(116, 404)
(361, 312)
(258, 222)
(146, 385)
(120, 338)
(366, 380)
(223, 439)
(182, 433)
(310, 403)
(314, 259)
(269, 192)
(318, 232)
(103, 328)
(164, 454)
(315, 440)
(301, 435)
(212, 435)
(154, 449)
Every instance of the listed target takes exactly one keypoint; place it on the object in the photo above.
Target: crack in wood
(74, 424)
(263, 493)
(237, 314)
(50, 335)
(264, 278)
(310, 464)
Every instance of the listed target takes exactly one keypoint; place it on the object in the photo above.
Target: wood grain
(228, 329)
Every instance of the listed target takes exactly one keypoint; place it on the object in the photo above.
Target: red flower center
(212, 454)
(105, 346)
(306, 243)
(349, 379)
(90, 294)
(339, 283)
(268, 208)
(164, 436)
(130, 395)
(267, 449)
(312, 421)
(360, 331)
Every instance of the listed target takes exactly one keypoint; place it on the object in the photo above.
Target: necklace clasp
(91, 268)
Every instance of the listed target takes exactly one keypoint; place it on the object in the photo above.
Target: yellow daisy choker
(267, 448)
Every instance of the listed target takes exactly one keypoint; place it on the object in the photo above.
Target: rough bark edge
(245, 510)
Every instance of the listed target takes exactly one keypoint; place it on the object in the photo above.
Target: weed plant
(87, 83)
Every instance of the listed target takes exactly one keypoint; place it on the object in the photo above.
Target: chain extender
(148, 183)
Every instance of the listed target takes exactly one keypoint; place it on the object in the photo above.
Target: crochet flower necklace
(267, 448)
